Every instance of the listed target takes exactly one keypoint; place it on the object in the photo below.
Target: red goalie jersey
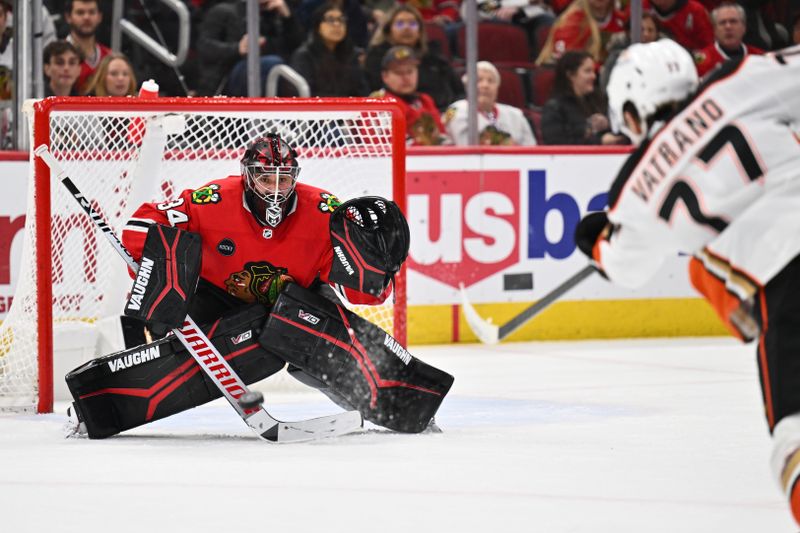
(241, 257)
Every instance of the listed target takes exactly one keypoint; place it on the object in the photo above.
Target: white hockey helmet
(649, 76)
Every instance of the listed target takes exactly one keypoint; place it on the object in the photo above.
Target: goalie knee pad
(355, 360)
(152, 381)
(370, 240)
(167, 278)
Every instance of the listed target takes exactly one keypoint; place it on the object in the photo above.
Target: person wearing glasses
(404, 27)
(328, 60)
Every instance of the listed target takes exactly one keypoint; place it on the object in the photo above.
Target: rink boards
(501, 222)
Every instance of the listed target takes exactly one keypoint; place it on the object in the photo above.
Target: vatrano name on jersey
(672, 143)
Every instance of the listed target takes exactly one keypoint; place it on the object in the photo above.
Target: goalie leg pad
(167, 278)
(152, 381)
(355, 360)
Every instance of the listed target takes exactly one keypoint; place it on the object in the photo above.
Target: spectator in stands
(620, 41)
(498, 124)
(686, 21)
(6, 52)
(730, 25)
(357, 19)
(114, 77)
(441, 12)
(400, 76)
(531, 16)
(62, 66)
(404, 26)
(48, 26)
(764, 29)
(222, 44)
(376, 11)
(576, 113)
(328, 60)
(585, 25)
(83, 18)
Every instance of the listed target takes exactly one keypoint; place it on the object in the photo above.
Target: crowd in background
(547, 88)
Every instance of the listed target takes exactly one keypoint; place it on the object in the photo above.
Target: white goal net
(121, 152)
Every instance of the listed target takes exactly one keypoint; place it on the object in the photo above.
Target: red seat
(540, 37)
(542, 78)
(499, 43)
(512, 90)
(534, 116)
(438, 38)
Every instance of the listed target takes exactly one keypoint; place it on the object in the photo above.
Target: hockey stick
(489, 333)
(246, 403)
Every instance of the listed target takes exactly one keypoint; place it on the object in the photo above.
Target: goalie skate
(75, 427)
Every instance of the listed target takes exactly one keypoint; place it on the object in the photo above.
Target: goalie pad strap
(130, 388)
(355, 359)
(167, 278)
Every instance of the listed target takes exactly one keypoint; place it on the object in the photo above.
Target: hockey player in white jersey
(716, 175)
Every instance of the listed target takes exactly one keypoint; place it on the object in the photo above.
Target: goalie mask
(269, 174)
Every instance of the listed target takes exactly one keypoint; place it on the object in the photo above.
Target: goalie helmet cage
(121, 152)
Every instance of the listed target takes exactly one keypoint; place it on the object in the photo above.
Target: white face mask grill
(273, 186)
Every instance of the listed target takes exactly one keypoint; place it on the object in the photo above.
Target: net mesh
(120, 159)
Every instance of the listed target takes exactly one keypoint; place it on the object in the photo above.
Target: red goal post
(124, 151)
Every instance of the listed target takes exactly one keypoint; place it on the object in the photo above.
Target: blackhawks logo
(206, 195)
(258, 282)
(329, 203)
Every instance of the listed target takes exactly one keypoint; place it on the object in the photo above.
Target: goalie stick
(208, 357)
(489, 333)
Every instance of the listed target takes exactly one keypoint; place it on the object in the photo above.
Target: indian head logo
(258, 282)
(329, 202)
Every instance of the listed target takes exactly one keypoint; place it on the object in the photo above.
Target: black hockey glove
(370, 240)
(588, 231)
(166, 280)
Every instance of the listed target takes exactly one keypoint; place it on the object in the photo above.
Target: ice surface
(602, 437)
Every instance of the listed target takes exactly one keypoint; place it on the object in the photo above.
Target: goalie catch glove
(370, 240)
(167, 278)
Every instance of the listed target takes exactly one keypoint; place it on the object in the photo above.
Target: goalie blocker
(354, 360)
(165, 283)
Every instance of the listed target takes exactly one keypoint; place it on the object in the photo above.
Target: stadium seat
(534, 116)
(541, 78)
(540, 37)
(512, 90)
(500, 43)
(437, 39)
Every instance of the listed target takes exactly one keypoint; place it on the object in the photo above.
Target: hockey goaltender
(257, 260)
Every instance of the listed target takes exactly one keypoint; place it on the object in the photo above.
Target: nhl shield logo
(267, 233)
